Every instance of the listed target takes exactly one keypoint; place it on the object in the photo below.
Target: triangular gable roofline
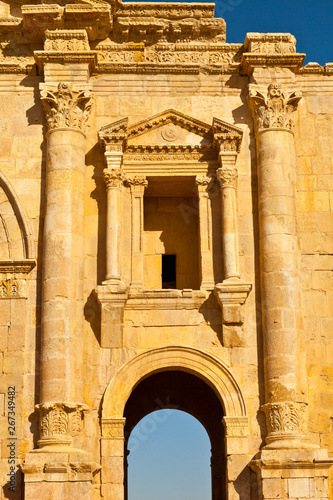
(119, 132)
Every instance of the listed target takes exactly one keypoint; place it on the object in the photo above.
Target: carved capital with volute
(227, 176)
(66, 106)
(273, 107)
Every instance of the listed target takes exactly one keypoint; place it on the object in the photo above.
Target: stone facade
(130, 132)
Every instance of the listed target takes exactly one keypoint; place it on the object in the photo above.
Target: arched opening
(179, 390)
(169, 457)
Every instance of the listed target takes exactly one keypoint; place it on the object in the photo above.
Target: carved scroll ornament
(274, 108)
(67, 107)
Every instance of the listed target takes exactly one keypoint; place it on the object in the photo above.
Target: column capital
(286, 425)
(136, 182)
(66, 106)
(113, 177)
(272, 107)
(59, 422)
(227, 176)
(204, 183)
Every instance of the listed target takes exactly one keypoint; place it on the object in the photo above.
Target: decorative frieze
(270, 43)
(59, 423)
(66, 40)
(285, 420)
(67, 106)
(273, 107)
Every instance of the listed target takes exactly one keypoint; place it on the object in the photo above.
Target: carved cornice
(66, 40)
(273, 107)
(113, 177)
(59, 423)
(285, 420)
(270, 49)
(17, 266)
(67, 106)
(227, 176)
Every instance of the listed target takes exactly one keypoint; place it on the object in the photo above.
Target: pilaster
(137, 186)
(204, 184)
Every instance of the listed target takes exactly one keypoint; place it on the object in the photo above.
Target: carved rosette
(273, 108)
(67, 107)
(59, 423)
(113, 177)
(285, 420)
(227, 176)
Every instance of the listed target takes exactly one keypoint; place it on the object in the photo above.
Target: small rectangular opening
(169, 271)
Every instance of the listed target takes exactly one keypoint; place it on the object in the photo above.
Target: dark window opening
(168, 271)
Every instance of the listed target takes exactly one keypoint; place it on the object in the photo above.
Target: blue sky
(169, 458)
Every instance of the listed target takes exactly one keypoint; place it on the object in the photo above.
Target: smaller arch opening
(183, 393)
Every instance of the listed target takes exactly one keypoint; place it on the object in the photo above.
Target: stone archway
(198, 363)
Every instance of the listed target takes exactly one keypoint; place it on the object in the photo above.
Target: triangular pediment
(170, 129)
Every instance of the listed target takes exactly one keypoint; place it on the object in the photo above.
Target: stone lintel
(231, 294)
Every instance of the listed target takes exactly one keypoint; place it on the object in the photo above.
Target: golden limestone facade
(166, 235)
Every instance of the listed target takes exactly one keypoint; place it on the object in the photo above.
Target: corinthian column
(273, 108)
(66, 109)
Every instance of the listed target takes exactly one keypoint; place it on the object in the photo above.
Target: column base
(292, 474)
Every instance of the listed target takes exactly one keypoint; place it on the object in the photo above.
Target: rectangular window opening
(169, 271)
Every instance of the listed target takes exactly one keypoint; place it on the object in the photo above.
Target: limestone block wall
(315, 222)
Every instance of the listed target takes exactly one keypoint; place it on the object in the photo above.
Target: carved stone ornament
(10, 288)
(113, 427)
(66, 40)
(137, 181)
(285, 420)
(59, 423)
(227, 176)
(273, 108)
(67, 107)
(113, 177)
(236, 426)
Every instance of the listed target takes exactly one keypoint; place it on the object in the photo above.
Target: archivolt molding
(27, 262)
(203, 365)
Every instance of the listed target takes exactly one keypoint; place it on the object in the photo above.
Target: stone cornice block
(231, 294)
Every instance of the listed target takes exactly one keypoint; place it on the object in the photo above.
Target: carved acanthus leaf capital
(113, 177)
(59, 422)
(137, 181)
(273, 108)
(67, 106)
(227, 176)
(285, 420)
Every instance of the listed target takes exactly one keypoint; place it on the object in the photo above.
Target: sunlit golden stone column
(137, 185)
(66, 108)
(204, 183)
(273, 108)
